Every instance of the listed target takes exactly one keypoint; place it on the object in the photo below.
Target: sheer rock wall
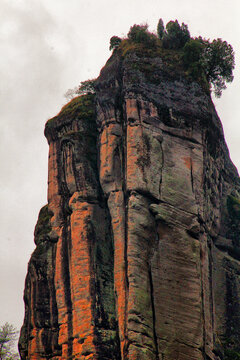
(137, 253)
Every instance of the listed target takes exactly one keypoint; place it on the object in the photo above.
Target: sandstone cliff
(137, 251)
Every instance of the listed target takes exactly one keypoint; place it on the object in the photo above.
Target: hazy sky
(47, 47)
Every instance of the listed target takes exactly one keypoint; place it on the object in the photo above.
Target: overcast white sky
(47, 47)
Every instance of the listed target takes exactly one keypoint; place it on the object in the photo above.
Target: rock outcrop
(137, 251)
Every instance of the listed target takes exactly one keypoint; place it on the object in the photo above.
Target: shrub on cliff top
(140, 34)
(175, 36)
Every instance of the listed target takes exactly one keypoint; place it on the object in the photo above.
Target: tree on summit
(203, 59)
(175, 36)
(210, 63)
(139, 34)
(218, 63)
(214, 60)
(160, 29)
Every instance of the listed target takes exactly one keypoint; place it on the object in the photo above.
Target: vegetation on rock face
(209, 63)
(43, 226)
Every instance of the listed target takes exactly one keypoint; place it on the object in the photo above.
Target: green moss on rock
(43, 226)
(81, 108)
(233, 206)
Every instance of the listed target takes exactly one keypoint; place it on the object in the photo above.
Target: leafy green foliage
(218, 63)
(192, 60)
(115, 41)
(86, 87)
(137, 33)
(214, 60)
(192, 51)
(140, 34)
(8, 336)
(210, 63)
(175, 36)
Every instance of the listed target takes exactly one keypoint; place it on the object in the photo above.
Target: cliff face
(138, 253)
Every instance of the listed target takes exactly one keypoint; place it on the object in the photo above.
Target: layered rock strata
(138, 253)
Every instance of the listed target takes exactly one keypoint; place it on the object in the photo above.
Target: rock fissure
(65, 253)
(161, 170)
(191, 170)
(203, 316)
(188, 139)
(153, 313)
(126, 198)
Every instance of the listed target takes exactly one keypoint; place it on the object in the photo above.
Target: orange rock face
(137, 251)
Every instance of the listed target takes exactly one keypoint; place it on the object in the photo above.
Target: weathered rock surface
(138, 253)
